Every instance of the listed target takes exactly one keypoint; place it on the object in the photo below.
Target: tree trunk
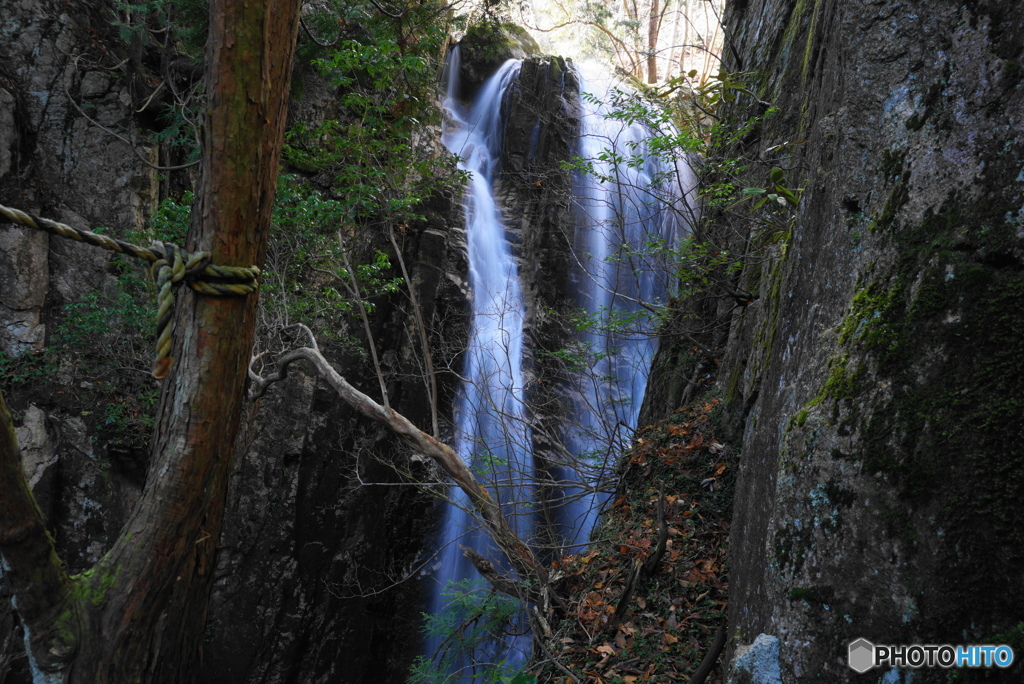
(687, 13)
(137, 616)
(653, 29)
(32, 571)
(671, 64)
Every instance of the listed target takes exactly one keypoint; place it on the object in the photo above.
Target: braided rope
(171, 267)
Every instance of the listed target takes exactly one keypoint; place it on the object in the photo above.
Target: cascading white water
(623, 209)
(492, 431)
(633, 203)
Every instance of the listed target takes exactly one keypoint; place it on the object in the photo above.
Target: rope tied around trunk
(171, 267)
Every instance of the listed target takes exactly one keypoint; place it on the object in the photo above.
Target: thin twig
(123, 139)
(397, 15)
(353, 289)
(554, 661)
(418, 314)
(520, 556)
(302, 22)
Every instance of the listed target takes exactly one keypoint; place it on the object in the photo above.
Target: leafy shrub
(474, 615)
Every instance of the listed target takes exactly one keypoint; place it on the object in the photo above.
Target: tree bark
(687, 13)
(137, 616)
(32, 571)
(172, 535)
(653, 29)
(674, 65)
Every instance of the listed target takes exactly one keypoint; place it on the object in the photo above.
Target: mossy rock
(487, 46)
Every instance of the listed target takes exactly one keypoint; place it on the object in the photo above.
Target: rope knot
(171, 267)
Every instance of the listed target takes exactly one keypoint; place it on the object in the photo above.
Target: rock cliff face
(318, 567)
(54, 163)
(485, 47)
(876, 383)
(324, 540)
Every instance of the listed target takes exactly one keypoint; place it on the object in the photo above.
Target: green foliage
(474, 614)
(27, 369)
(169, 223)
(386, 80)
(105, 340)
(706, 112)
(578, 356)
(359, 174)
(179, 24)
(487, 464)
(775, 192)
(171, 34)
(117, 319)
(685, 121)
(180, 129)
(307, 280)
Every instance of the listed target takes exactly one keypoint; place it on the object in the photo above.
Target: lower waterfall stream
(620, 209)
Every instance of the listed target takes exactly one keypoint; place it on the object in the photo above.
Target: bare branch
(519, 555)
(499, 581)
(353, 290)
(302, 23)
(393, 15)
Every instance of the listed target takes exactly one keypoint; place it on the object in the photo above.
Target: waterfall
(621, 209)
(632, 205)
(492, 434)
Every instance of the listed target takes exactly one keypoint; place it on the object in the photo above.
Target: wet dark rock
(324, 539)
(487, 46)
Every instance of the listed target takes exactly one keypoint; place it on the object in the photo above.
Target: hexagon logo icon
(862, 655)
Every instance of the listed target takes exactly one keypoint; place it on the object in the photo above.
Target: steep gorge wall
(54, 163)
(324, 541)
(877, 382)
